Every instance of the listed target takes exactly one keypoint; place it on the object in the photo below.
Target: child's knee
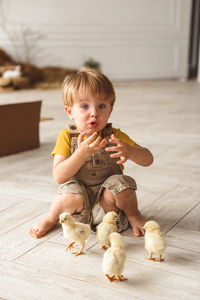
(107, 197)
(125, 196)
(71, 202)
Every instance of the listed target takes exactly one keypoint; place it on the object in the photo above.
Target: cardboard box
(19, 127)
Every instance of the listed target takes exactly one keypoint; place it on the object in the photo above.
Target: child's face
(89, 112)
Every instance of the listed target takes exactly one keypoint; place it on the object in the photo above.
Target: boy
(89, 157)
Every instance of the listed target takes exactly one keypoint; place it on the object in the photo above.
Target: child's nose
(93, 112)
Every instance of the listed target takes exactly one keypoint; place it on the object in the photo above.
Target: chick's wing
(104, 230)
(82, 230)
(159, 244)
(110, 260)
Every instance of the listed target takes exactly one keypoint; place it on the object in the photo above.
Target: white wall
(131, 38)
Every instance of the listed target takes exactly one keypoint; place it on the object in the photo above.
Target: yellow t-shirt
(63, 144)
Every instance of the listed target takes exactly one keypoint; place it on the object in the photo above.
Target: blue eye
(101, 106)
(85, 106)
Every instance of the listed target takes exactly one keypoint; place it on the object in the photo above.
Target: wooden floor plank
(30, 188)
(142, 279)
(172, 206)
(62, 240)
(21, 283)
(186, 234)
(184, 238)
(162, 115)
(16, 242)
(7, 201)
(20, 213)
(176, 260)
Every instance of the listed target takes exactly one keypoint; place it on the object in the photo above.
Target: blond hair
(97, 83)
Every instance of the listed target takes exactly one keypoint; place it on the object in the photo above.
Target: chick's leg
(159, 258)
(150, 257)
(104, 248)
(110, 278)
(120, 278)
(78, 253)
(81, 250)
(69, 246)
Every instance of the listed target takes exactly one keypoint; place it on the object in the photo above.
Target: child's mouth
(93, 124)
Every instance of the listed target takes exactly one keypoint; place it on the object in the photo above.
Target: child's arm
(138, 154)
(65, 168)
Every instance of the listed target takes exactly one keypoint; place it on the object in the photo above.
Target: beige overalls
(98, 172)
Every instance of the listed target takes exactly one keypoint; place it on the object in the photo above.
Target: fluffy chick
(114, 258)
(75, 231)
(154, 240)
(105, 228)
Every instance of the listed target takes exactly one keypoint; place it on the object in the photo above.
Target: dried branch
(24, 40)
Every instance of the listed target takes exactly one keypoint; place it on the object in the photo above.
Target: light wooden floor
(162, 115)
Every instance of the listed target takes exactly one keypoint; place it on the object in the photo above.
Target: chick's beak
(61, 221)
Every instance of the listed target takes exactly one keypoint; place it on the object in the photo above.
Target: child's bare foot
(137, 223)
(41, 228)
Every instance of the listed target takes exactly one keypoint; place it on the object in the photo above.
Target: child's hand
(122, 150)
(91, 144)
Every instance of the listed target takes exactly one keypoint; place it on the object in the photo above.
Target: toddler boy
(89, 157)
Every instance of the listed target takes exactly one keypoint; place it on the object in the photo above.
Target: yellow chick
(114, 258)
(154, 240)
(105, 228)
(77, 232)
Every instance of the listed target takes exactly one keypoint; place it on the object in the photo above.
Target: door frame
(193, 59)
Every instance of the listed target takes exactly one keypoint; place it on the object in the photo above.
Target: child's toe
(136, 231)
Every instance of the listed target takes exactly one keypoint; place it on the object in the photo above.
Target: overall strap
(107, 131)
(74, 136)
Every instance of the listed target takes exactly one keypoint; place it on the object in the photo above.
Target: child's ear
(68, 110)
